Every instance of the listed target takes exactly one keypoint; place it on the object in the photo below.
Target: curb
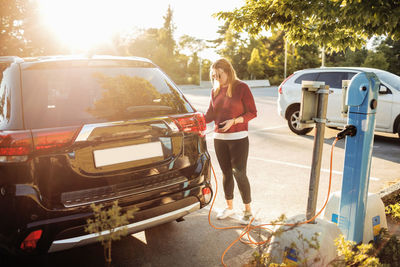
(390, 195)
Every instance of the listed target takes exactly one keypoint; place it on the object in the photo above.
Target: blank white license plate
(122, 154)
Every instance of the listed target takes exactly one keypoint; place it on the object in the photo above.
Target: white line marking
(297, 165)
(209, 133)
(271, 128)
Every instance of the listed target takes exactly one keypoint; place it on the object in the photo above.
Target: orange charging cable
(248, 228)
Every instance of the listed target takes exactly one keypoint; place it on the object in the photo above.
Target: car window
(57, 96)
(389, 78)
(350, 75)
(333, 79)
(306, 77)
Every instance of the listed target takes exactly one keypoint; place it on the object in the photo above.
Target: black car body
(82, 130)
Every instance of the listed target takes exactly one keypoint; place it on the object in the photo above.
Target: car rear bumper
(65, 229)
(69, 243)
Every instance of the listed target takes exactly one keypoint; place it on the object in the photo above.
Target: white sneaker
(247, 217)
(225, 213)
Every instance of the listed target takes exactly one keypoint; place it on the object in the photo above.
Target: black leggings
(232, 157)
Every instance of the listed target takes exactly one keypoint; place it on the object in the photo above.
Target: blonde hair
(227, 67)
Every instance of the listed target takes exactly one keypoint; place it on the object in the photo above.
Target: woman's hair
(226, 66)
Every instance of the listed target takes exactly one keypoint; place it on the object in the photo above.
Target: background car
(82, 130)
(388, 110)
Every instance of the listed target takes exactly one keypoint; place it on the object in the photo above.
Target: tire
(398, 130)
(294, 121)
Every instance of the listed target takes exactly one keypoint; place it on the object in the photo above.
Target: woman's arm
(249, 106)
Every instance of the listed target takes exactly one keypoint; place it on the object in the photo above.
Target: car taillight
(280, 86)
(15, 146)
(30, 242)
(48, 139)
(194, 123)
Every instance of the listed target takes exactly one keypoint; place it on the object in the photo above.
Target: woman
(231, 108)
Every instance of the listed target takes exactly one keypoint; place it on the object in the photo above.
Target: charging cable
(349, 130)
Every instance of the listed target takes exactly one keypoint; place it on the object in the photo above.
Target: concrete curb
(390, 195)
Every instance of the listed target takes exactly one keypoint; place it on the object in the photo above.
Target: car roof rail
(11, 59)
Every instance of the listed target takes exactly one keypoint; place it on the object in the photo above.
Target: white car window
(306, 77)
(389, 78)
(333, 79)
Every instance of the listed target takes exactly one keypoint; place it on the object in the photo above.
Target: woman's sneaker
(225, 214)
(247, 217)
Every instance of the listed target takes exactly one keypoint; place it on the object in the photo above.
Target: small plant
(362, 255)
(109, 225)
(386, 251)
(393, 210)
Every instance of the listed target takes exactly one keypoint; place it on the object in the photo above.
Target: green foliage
(393, 210)
(304, 22)
(108, 225)
(376, 60)
(388, 248)
(391, 49)
(362, 255)
(341, 26)
(334, 24)
(255, 66)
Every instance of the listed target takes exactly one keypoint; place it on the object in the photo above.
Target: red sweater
(224, 108)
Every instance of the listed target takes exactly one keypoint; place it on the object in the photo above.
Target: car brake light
(15, 145)
(191, 124)
(47, 139)
(30, 242)
(280, 86)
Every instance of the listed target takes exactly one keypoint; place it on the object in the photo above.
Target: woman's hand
(226, 125)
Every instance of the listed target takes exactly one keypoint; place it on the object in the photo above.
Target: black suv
(82, 130)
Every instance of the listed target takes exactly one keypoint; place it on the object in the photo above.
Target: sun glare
(82, 24)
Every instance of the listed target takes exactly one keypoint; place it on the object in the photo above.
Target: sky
(82, 23)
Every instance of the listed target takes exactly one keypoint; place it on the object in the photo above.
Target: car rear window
(333, 79)
(78, 92)
(306, 77)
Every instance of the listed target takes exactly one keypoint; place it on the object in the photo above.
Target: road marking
(297, 165)
(270, 128)
(210, 131)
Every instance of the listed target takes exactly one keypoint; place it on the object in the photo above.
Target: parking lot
(279, 172)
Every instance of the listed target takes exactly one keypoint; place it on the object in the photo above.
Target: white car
(387, 114)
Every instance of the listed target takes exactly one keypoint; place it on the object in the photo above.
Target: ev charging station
(345, 215)
(362, 101)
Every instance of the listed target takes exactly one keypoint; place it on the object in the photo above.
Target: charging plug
(348, 130)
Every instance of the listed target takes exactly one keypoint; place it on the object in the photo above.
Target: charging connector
(348, 130)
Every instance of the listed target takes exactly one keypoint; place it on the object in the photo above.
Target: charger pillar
(362, 96)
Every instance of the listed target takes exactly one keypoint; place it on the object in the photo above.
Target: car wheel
(294, 121)
(398, 130)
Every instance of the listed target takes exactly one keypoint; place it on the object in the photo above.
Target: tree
(193, 46)
(22, 32)
(376, 60)
(11, 30)
(255, 66)
(159, 46)
(391, 50)
(334, 24)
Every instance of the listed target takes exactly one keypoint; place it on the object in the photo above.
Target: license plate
(123, 154)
